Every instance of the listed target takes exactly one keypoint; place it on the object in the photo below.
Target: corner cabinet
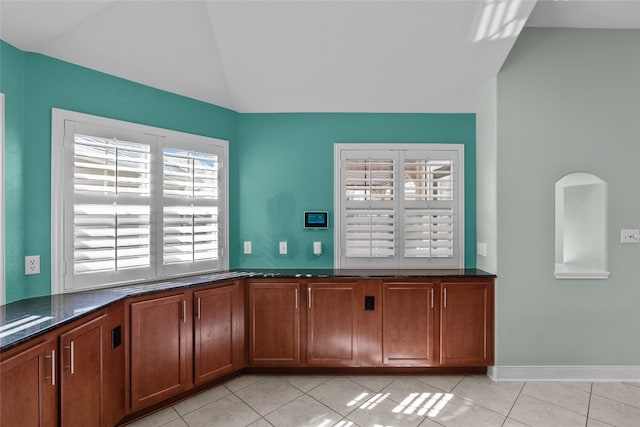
(179, 340)
(467, 323)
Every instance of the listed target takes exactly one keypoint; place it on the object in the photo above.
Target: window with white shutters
(399, 206)
(133, 203)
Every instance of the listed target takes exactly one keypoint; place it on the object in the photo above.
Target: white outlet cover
(247, 247)
(32, 265)
(283, 248)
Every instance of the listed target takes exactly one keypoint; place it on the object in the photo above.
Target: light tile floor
(399, 401)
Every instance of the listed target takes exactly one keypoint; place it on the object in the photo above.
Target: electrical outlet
(32, 264)
(247, 248)
(283, 248)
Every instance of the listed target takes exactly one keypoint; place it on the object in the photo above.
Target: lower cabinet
(180, 340)
(81, 379)
(218, 332)
(274, 323)
(158, 349)
(332, 323)
(409, 323)
(437, 322)
(28, 387)
(466, 325)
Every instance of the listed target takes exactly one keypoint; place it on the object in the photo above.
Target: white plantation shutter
(190, 213)
(400, 206)
(133, 203)
(111, 205)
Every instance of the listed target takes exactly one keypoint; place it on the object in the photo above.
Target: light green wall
(568, 100)
(286, 163)
(486, 178)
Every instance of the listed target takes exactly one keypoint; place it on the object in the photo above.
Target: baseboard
(564, 373)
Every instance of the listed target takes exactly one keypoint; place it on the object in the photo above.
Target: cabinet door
(274, 323)
(81, 381)
(466, 336)
(332, 324)
(158, 349)
(214, 332)
(28, 388)
(408, 324)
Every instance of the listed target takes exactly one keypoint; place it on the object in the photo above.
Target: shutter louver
(428, 233)
(112, 214)
(369, 180)
(428, 180)
(369, 233)
(191, 190)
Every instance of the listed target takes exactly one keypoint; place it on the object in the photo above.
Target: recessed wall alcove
(581, 227)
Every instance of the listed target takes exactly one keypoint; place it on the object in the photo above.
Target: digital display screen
(316, 220)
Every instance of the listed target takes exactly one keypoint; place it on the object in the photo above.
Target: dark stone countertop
(25, 319)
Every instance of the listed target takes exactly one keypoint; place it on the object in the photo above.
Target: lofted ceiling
(301, 56)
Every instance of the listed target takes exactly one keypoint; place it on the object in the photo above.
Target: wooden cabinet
(158, 349)
(408, 323)
(218, 332)
(332, 323)
(274, 323)
(81, 377)
(466, 322)
(28, 387)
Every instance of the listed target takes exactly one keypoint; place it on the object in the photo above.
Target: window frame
(159, 139)
(399, 261)
(2, 202)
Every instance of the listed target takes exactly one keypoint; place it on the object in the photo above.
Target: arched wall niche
(581, 227)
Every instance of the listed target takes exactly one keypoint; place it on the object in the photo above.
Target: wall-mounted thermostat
(316, 219)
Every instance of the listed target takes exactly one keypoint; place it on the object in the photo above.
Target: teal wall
(33, 84)
(280, 164)
(568, 100)
(12, 66)
(286, 163)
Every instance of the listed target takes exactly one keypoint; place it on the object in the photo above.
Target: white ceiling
(300, 56)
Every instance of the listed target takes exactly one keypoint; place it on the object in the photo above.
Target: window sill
(569, 271)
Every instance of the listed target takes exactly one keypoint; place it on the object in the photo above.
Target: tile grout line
(514, 404)
(586, 423)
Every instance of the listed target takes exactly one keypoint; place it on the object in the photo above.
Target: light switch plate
(317, 248)
(630, 236)
(283, 248)
(482, 249)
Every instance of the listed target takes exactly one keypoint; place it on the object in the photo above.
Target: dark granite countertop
(31, 317)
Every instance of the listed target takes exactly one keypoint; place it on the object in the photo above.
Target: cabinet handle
(198, 308)
(432, 292)
(309, 296)
(71, 364)
(184, 311)
(53, 366)
(296, 299)
(445, 297)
